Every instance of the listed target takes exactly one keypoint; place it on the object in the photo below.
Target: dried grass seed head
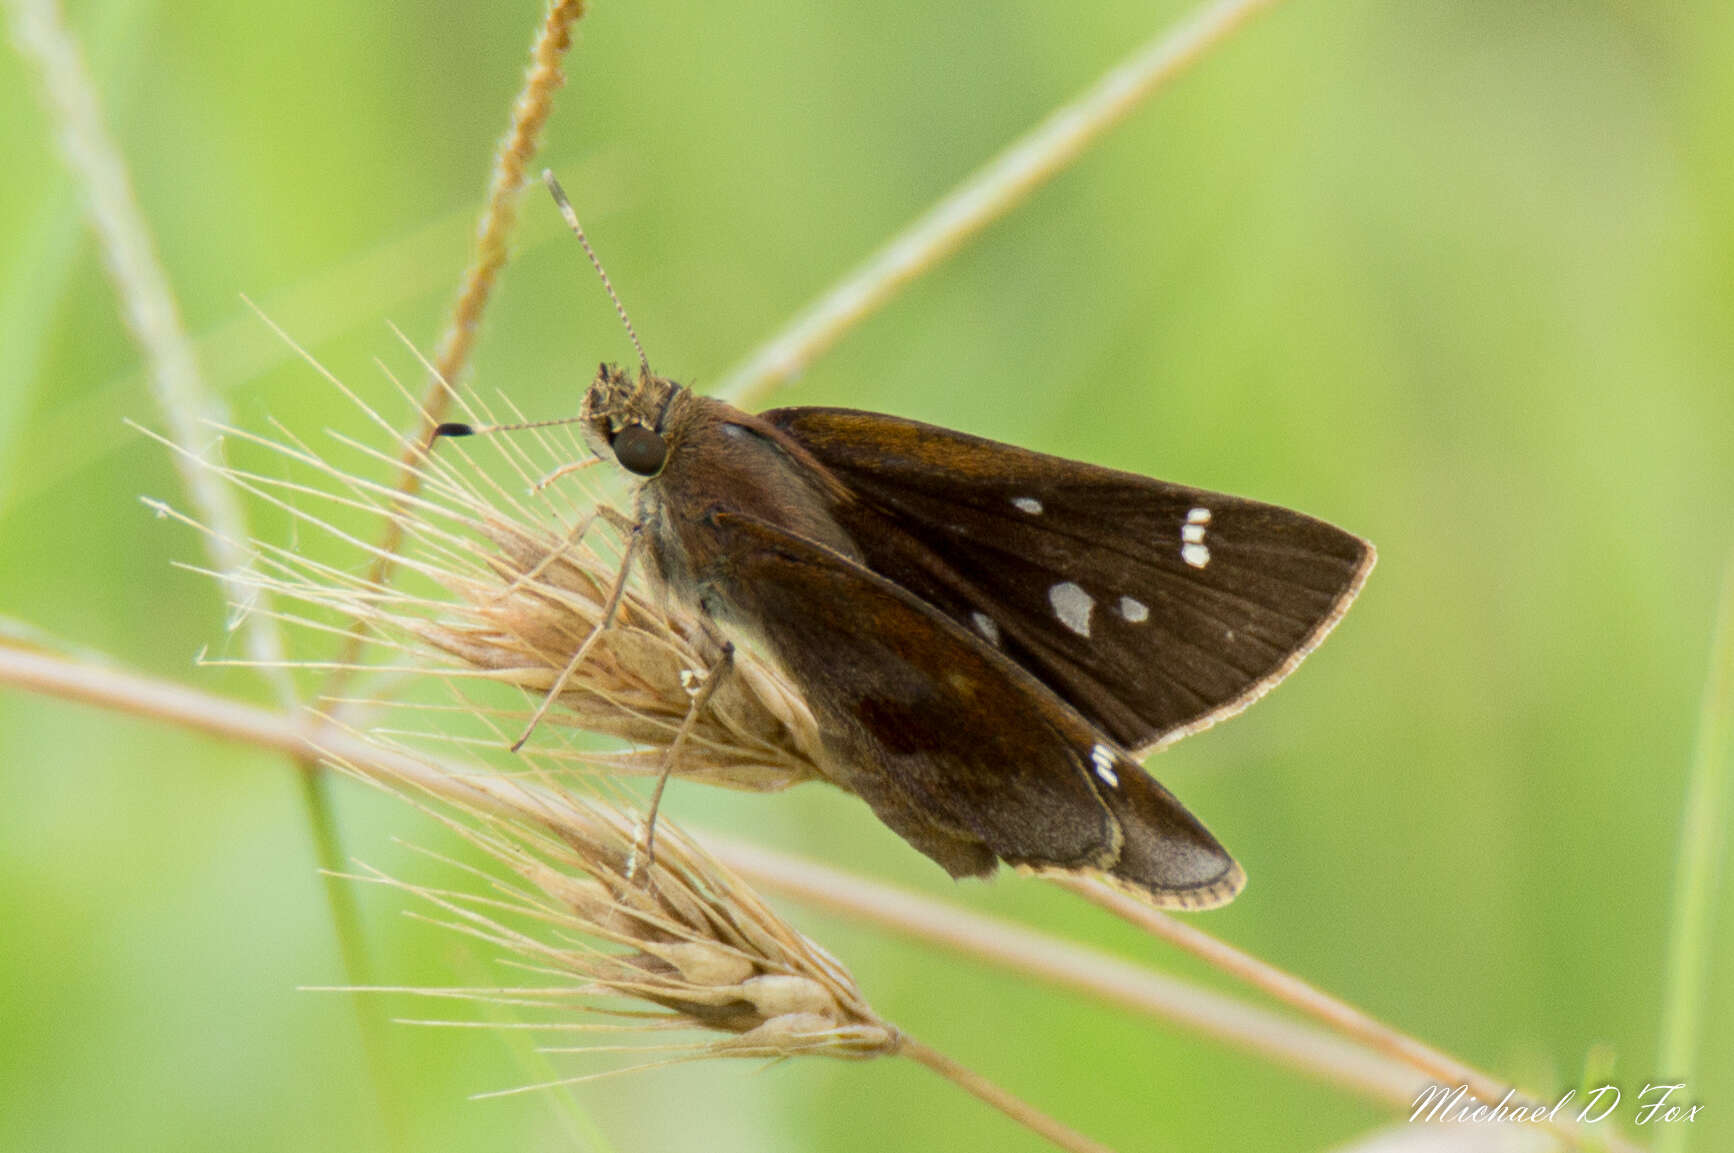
(506, 576)
(683, 936)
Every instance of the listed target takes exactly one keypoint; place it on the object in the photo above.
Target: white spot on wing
(1103, 758)
(1072, 605)
(985, 626)
(1192, 547)
(1028, 504)
(1134, 610)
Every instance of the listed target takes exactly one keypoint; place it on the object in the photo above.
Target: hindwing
(958, 749)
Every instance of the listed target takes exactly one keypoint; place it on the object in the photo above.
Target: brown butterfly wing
(1153, 609)
(955, 747)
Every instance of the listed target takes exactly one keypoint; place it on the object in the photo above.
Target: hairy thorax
(741, 466)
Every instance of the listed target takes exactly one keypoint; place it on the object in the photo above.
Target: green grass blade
(1696, 882)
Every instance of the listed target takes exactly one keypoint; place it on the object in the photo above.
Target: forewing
(1154, 609)
(957, 749)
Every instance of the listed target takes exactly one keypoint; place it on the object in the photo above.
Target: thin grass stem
(1687, 975)
(147, 303)
(1314, 1002)
(982, 198)
(530, 113)
(352, 944)
(580, 1129)
(1091, 972)
(982, 1089)
(189, 409)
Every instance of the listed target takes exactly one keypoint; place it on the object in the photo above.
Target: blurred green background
(1457, 276)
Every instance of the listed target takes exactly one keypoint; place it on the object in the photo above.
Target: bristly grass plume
(680, 944)
(510, 555)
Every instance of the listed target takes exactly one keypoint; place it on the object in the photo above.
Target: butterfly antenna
(565, 207)
(452, 428)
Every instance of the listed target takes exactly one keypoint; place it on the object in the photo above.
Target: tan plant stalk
(983, 197)
(984, 1090)
(307, 734)
(530, 112)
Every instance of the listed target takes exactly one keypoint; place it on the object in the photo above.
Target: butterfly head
(626, 417)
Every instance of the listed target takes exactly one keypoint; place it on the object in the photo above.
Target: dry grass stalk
(187, 405)
(147, 303)
(985, 196)
(530, 112)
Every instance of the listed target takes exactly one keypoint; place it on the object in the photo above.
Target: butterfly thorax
(700, 458)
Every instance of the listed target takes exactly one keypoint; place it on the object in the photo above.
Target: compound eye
(639, 450)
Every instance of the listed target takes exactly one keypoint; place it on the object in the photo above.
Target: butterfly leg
(615, 595)
(574, 538)
(564, 470)
(700, 701)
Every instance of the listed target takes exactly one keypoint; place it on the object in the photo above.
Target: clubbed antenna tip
(565, 207)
